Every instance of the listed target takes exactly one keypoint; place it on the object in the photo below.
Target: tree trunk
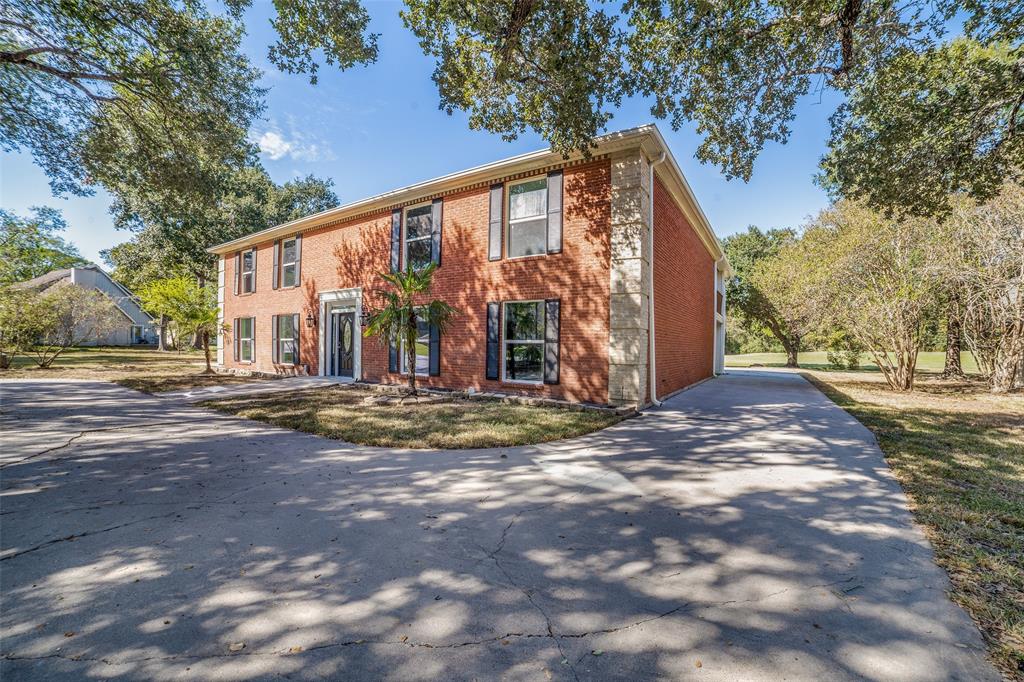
(792, 346)
(410, 361)
(161, 332)
(953, 369)
(206, 351)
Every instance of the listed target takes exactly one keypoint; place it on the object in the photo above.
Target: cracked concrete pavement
(748, 529)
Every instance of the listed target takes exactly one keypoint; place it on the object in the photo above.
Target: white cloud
(293, 145)
(273, 145)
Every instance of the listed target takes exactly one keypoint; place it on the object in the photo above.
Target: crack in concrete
(82, 434)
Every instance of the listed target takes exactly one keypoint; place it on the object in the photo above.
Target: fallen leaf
(167, 622)
(295, 650)
(699, 664)
(597, 652)
(69, 633)
(236, 646)
(405, 638)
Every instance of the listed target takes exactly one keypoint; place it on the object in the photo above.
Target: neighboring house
(138, 327)
(549, 260)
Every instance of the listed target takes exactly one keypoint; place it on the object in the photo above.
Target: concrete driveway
(749, 529)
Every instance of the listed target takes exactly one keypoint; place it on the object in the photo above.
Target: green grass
(344, 413)
(143, 369)
(926, 361)
(958, 452)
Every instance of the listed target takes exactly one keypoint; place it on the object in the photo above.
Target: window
(248, 271)
(527, 218)
(289, 259)
(138, 336)
(287, 338)
(245, 334)
(417, 237)
(524, 342)
(422, 349)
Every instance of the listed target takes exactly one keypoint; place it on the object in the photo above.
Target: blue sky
(375, 128)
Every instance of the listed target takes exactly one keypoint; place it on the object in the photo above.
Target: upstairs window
(289, 262)
(248, 271)
(418, 228)
(528, 218)
(524, 342)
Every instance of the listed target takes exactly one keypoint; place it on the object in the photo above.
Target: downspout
(651, 355)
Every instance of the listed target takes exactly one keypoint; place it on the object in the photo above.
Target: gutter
(652, 359)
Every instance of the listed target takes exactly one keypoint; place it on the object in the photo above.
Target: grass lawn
(144, 369)
(958, 452)
(926, 361)
(344, 413)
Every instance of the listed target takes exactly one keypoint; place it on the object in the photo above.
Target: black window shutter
(238, 270)
(275, 353)
(436, 210)
(254, 270)
(493, 339)
(277, 266)
(235, 335)
(295, 331)
(555, 212)
(396, 240)
(392, 357)
(494, 229)
(435, 351)
(552, 322)
(298, 258)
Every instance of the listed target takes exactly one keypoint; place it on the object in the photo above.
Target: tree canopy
(33, 246)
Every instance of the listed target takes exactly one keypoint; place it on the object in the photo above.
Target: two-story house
(570, 275)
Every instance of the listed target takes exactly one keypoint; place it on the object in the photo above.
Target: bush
(843, 351)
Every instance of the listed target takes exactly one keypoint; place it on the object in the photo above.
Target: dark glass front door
(343, 334)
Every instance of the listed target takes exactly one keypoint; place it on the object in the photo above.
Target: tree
(170, 241)
(984, 261)
(18, 323)
(66, 315)
(734, 70)
(148, 95)
(871, 276)
(32, 246)
(746, 301)
(926, 126)
(397, 321)
(192, 307)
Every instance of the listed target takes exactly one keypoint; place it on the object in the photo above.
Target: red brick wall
(684, 317)
(351, 254)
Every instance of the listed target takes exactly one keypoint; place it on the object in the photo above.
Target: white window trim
(285, 264)
(250, 339)
(505, 342)
(405, 241)
(280, 340)
(508, 220)
(244, 272)
(404, 371)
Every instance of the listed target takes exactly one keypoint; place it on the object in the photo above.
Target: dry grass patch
(343, 413)
(144, 369)
(958, 451)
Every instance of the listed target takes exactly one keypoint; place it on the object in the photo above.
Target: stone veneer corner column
(630, 273)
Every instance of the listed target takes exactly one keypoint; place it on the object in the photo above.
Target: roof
(44, 281)
(646, 137)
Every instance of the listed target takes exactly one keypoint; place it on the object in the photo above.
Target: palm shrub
(403, 308)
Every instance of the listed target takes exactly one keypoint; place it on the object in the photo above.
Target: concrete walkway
(298, 383)
(749, 529)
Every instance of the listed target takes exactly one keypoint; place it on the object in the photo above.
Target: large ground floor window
(422, 350)
(287, 338)
(245, 336)
(524, 342)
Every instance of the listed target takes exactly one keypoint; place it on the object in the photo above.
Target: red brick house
(553, 264)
